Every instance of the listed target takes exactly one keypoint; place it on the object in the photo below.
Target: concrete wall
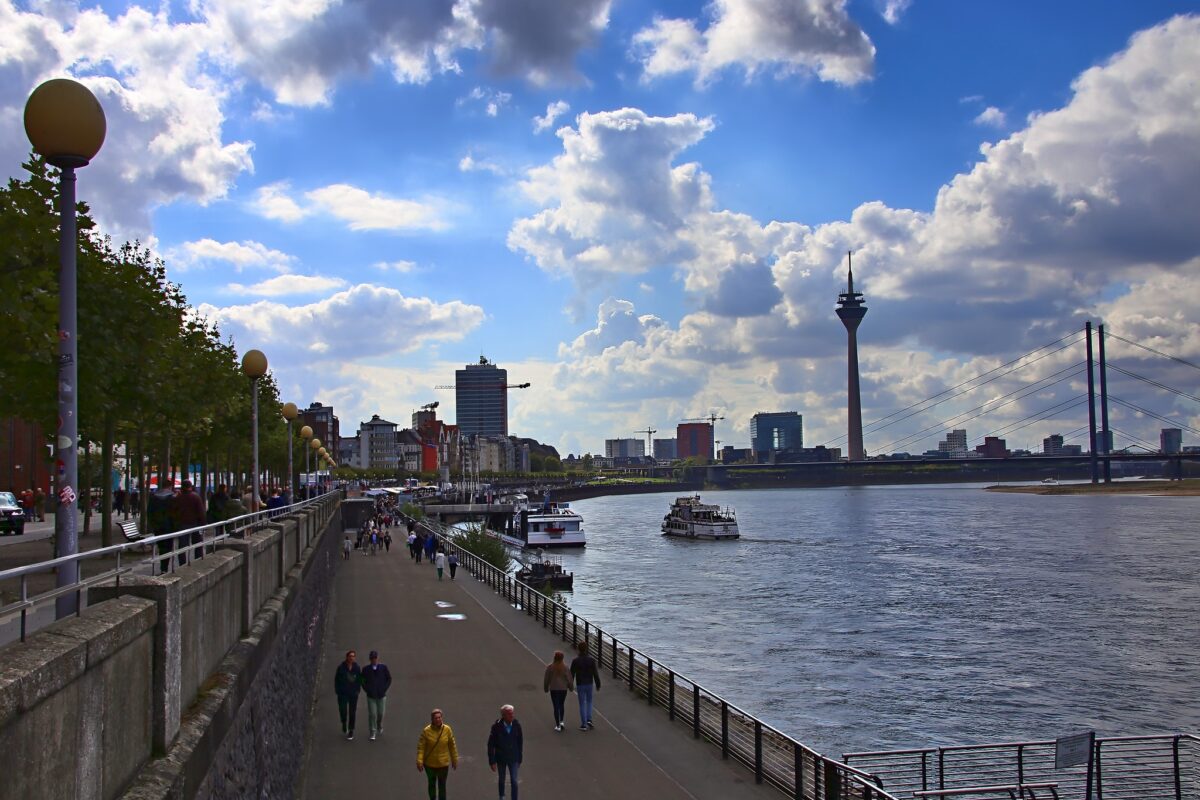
(75, 703)
(168, 684)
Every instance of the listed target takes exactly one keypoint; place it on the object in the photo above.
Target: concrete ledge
(200, 576)
(61, 653)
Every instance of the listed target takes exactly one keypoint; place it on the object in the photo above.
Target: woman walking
(440, 560)
(437, 753)
(557, 681)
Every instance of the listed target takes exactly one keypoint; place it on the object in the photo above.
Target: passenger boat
(691, 519)
(546, 571)
(547, 524)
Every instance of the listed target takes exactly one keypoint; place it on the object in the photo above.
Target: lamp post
(66, 125)
(315, 446)
(306, 434)
(290, 412)
(254, 366)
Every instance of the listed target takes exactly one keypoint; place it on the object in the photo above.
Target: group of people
(33, 503)
(426, 544)
(437, 749)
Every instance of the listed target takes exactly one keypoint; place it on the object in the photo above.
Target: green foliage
(413, 510)
(474, 540)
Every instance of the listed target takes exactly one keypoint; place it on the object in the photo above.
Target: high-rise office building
(694, 440)
(323, 423)
(955, 444)
(783, 430)
(624, 448)
(1052, 445)
(665, 450)
(377, 444)
(481, 395)
(1170, 441)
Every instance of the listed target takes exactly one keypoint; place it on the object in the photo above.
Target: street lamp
(65, 124)
(290, 412)
(254, 366)
(306, 434)
(315, 446)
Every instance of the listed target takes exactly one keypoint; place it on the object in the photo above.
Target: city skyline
(644, 211)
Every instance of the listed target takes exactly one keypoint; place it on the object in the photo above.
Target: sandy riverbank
(1184, 488)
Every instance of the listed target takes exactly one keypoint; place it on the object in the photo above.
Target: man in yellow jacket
(436, 754)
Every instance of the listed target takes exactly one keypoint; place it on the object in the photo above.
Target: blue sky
(362, 190)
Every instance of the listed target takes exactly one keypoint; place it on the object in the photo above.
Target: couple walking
(349, 680)
(437, 751)
(582, 677)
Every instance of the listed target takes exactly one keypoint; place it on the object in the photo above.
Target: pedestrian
(347, 682)
(412, 546)
(557, 681)
(505, 745)
(430, 547)
(375, 680)
(187, 513)
(387, 541)
(452, 560)
(216, 506)
(583, 670)
(437, 753)
(440, 561)
(420, 546)
(39, 504)
(347, 546)
(158, 519)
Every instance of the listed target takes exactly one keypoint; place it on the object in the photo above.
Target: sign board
(1070, 751)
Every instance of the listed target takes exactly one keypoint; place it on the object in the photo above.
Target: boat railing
(774, 757)
(1165, 767)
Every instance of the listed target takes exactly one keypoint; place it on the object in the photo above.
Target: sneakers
(373, 737)
(590, 725)
(558, 727)
(581, 727)
(350, 736)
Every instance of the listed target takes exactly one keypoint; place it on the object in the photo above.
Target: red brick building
(24, 456)
(694, 440)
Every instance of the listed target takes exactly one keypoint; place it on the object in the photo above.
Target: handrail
(800, 771)
(211, 534)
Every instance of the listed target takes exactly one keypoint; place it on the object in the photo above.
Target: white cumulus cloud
(991, 116)
(553, 111)
(242, 255)
(284, 285)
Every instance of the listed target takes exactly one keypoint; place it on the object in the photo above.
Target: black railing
(774, 757)
(1121, 768)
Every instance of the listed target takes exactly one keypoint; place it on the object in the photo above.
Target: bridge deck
(469, 668)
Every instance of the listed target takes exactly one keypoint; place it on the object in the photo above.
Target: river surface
(867, 618)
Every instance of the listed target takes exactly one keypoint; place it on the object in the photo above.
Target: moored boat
(691, 519)
(547, 524)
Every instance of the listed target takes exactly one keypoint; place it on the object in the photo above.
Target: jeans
(558, 698)
(585, 690)
(348, 711)
(512, 776)
(375, 709)
(437, 782)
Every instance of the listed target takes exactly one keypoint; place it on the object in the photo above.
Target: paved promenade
(469, 667)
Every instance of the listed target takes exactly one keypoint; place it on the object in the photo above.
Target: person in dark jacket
(347, 682)
(187, 511)
(505, 748)
(158, 518)
(587, 676)
(375, 681)
(216, 505)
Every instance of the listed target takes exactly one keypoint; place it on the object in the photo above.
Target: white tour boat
(691, 519)
(546, 524)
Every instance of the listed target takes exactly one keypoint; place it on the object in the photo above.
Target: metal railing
(183, 545)
(774, 757)
(1121, 768)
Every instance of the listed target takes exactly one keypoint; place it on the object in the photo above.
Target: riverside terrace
(215, 682)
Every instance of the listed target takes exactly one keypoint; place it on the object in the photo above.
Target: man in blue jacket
(505, 746)
(376, 680)
(347, 682)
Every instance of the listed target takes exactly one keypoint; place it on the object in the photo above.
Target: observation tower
(851, 311)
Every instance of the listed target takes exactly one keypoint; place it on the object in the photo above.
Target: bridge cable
(1176, 359)
(968, 415)
(1153, 382)
(1039, 416)
(1149, 413)
(875, 427)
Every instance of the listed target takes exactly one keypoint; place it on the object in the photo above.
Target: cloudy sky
(644, 208)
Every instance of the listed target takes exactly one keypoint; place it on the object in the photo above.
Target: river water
(862, 618)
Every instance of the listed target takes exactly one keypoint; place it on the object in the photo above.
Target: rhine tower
(851, 310)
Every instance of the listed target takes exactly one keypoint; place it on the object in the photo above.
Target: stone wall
(192, 684)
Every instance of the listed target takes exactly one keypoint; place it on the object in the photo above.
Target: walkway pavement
(469, 667)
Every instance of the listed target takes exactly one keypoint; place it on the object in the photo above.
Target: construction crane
(711, 419)
(487, 386)
(430, 406)
(649, 442)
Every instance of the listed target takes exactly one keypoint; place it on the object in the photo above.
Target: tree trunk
(106, 453)
(143, 494)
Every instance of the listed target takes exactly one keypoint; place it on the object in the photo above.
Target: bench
(1015, 791)
(129, 528)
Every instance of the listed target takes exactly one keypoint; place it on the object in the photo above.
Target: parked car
(12, 516)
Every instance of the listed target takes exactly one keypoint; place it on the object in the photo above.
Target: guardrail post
(1020, 763)
(724, 729)
(758, 758)
(942, 769)
(924, 770)
(649, 680)
(1099, 776)
(587, 637)
(614, 657)
(833, 781)
(695, 711)
(1178, 782)
(798, 770)
(671, 693)
(631, 683)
